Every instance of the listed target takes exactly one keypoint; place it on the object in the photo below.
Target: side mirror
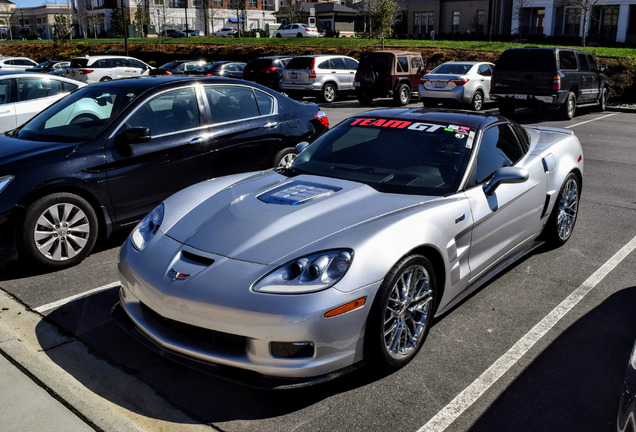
(505, 175)
(301, 146)
(130, 136)
(603, 69)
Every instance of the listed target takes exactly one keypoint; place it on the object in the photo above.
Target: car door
(484, 72)
(416, 72)
(137, 67)
(511, 215)
(589, 79)
(177, 155)
(7, 104)
(245, 128)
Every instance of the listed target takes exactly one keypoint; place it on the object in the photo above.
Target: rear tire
(364, 99)
(402, 314)
(478, 101)
(569, 107)
(329, 93)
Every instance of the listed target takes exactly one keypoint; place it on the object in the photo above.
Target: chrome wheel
(407, 312)
(286, 159)
(478, 101)
(568, 208)
(61, 232)
(329, 93)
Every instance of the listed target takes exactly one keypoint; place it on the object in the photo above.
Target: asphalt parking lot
(543, 347)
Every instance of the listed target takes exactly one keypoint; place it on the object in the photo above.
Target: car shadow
(532, 116)
(575, 383)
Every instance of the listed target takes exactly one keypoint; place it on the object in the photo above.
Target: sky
(31, 3)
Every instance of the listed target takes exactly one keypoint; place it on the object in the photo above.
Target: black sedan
(103, 157)
(228, 69)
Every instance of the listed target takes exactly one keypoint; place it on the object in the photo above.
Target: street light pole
(186, 19)
(125, 27)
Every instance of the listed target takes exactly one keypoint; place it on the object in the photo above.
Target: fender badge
(178, 276)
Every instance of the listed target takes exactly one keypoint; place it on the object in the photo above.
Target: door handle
(197, 140)
(270, 124)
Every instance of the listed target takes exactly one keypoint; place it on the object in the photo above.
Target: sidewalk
(68, 388)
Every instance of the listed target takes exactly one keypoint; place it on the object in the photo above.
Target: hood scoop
(296, 193)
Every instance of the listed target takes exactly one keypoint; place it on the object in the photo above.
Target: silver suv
(104, 68)
(326, 76)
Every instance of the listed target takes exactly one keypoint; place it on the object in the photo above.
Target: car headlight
(147, 228)
(4, 182)
(307, 274)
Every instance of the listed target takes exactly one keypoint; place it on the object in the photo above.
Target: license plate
(293, 75)
(521, 97)
(356, 84)
(439, 84)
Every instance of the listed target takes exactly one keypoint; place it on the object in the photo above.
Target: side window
(350, 63)
(68, 87)
(230, 103)
(169, 112)
(136, 63)
(416, 63)
(325, 65)
(265, 102)
(337, 63)
(583, 66)
(484, 70)
(591, 63)
(499, 148)
(36, 88)
(402, 64)
(5, 91)
(567, 60)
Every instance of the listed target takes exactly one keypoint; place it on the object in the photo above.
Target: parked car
(388, 73)
(174, 33)
(192, 33)
(228, 69)
(105, 68)
(465, 83)
(558, 78)
(226, 31)
(103, 157)
(325, 76)
(626, 419)
(177, 67)
(267, 71)
(24, 94)
(14, 64)
(50, 66)
(346, 255)
(297, 30)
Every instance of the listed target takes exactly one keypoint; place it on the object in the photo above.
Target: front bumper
(215, 321)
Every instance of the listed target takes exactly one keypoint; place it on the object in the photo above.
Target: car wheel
(568, 108)
(602, 100)
(299, 35)
(105, 79)
(478, 101)
(284, 157)
(364, 98)
(563, 217)
(278, 35)
(59, 230)
(329, 93)
(402, 313)
(403, 95)
(506, 109)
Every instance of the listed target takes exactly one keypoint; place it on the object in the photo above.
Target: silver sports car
(292, 276)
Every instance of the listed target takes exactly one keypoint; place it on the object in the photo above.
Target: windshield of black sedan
(392, 155)
(80, 116)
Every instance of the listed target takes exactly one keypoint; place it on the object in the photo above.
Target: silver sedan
(466, 83)
(295, 275)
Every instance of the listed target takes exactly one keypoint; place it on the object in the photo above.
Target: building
(329, 16)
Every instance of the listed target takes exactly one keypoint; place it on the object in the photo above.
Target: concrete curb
(116, 401)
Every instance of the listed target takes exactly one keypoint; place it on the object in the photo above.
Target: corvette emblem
(178, 276)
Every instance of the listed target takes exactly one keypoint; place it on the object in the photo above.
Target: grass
(609, 52)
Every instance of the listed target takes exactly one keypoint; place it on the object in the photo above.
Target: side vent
(545, 206)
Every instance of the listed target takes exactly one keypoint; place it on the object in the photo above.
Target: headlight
(4, 182)
(147, 228)
(307, 274)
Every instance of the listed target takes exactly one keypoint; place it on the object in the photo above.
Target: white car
(24, 94)
(105, 68)
(16, 64)
(226, 31)
(297, 30)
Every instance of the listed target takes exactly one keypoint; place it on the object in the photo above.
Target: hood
(13, 149)
(268, 218)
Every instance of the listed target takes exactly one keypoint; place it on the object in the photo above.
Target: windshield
(80, 116)
(391, 155)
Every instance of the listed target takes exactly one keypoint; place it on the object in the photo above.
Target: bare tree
(8, 17)
(586, 7)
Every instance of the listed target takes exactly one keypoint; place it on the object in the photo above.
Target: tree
(586, 7)
(142, 17)
(116, 22)
(383, 16)
(61, 29)
(7, 18)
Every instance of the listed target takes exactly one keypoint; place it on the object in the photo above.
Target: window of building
(217, 3)
(423, 23)
(480, 21)
(455, 22)
(604, 23)
(572, 21)
(253, 4)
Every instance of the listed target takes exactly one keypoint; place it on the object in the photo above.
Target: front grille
(210, 337)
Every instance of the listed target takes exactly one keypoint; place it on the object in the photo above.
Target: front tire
(560, 225)
(602, 100)
(284, 157)
(59, 230)
(403, 95)
(402, 314)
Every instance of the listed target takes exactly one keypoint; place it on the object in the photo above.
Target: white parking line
(62, 302)
(469, 396)
(588, 121)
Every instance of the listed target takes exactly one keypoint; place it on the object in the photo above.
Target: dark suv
(266, 71)
(560, 78)
(394, 74)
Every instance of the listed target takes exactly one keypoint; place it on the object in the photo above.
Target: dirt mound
(621, 72)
